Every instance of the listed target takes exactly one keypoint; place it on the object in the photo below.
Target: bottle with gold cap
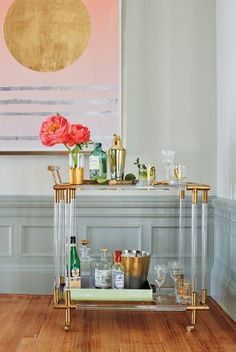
(116, 157)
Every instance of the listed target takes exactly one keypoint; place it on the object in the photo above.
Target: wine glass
(168, 160)
(175, 271)
(160, 276)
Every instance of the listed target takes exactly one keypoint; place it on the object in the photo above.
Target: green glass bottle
(98, 163)
(75, 280)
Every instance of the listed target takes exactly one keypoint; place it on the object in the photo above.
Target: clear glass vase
(76, 167)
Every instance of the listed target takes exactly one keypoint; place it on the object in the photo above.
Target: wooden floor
(30, 324)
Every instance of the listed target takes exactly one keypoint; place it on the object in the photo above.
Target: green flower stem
(74, 153)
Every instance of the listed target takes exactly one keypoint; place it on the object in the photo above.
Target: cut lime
(102, 181)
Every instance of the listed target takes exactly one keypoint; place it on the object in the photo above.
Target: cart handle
(55, 173)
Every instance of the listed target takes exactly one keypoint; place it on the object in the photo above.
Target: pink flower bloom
(77, 134)
(54, 130)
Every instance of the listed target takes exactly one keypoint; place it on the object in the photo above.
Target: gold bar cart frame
(64, 192)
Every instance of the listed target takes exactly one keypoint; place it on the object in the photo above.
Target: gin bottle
(86, 264)
(118, 275)
(98, 163)
(75, 280)
(103, 271)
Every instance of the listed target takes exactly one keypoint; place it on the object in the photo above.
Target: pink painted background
(98, 66)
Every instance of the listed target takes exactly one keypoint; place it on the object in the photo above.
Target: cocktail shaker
(116, 157)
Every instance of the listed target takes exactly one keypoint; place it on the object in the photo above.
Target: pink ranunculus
(54, 130)
(77, 134)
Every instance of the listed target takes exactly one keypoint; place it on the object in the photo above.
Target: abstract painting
(59, 56)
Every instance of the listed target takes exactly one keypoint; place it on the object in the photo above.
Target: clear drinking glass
(175, 271)
(178, 173)
(168, 160)
(160, 276)
(184, 291)
(187, 292)
(142, 175)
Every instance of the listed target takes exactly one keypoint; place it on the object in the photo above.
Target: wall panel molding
(145, 221)
(7, 243)
(118, 236)
(35, 241)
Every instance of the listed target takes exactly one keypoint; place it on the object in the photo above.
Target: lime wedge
(102, 181)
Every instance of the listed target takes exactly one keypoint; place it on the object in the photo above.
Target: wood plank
(30, 324)
(21, 318)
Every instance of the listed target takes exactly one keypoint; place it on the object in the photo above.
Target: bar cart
(67, 298)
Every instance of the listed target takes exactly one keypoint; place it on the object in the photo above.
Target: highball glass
(168, 160)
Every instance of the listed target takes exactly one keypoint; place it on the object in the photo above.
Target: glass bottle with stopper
(86, 264)
(103, 271)
(116, 155)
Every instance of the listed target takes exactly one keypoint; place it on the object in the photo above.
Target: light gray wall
(223, 278)
(171, 89)
(171, 81)
(226, 102)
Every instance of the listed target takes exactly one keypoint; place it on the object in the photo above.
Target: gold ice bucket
(136, 265)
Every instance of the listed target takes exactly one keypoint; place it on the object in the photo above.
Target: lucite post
(61, 235)
(181, 227)
(194, 241)
(56, 241)
(72, 214)
(204, 241)
(67, 238)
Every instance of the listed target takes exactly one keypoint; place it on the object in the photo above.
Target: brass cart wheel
(190, 328)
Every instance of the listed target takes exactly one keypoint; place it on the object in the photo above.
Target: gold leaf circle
(47, 35)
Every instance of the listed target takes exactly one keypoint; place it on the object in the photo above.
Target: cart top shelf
(129, 187)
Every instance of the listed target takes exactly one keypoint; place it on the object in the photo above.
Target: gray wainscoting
(138, 221)
(223, 274)
(146, 222)
(26, 246)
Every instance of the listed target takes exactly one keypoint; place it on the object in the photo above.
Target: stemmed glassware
(175, 270)
(160, 276)
(168, 161)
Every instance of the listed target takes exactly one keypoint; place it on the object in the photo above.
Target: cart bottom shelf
(169, 304)
(133, 307)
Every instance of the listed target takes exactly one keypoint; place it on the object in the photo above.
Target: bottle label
(118, 279)
(75, 272)
(75, 282)
(102, 278)
(94, 162)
